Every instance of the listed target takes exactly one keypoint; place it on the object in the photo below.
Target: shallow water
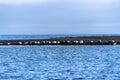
(59, 63)
(14, 37)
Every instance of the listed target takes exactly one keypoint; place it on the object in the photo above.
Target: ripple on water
(59, 63)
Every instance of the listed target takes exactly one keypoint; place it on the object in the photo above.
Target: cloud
(23, 1)
(56, 16)
(93, 2)
(101, 1)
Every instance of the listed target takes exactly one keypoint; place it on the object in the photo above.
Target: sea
(99, 62)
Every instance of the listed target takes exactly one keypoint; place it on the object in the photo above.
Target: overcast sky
(59, 17)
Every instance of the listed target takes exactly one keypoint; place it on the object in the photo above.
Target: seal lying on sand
(87, 40)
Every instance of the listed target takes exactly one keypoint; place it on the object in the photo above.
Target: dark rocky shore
(87, 40)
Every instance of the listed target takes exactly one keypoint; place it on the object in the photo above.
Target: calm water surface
(59, 62)
(14, 37)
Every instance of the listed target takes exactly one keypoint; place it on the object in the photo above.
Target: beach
(82, 40)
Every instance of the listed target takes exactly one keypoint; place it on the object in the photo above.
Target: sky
(59, 17)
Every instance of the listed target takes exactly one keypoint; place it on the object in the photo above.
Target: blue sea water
(58, 62)
(14, 37)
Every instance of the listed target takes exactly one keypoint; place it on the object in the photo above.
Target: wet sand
(84, 40)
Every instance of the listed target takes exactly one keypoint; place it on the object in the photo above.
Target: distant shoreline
(84, 40)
